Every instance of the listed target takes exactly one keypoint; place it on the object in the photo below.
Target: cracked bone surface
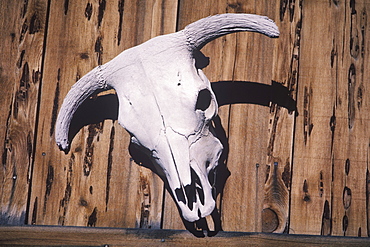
(166, 104)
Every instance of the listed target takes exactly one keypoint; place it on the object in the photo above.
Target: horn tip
(63, 146)
(275, 35)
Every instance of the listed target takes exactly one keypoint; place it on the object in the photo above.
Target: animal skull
(166, 104)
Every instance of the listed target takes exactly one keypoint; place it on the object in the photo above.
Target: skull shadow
(98, 108)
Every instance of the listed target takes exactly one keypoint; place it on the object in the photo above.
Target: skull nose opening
(198, 186)
(180, 195)
(189, 194)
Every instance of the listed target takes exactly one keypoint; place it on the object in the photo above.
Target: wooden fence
(296, 172)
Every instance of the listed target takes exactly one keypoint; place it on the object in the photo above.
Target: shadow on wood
(98, 108)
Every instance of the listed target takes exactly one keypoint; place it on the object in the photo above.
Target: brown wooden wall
(305, 173)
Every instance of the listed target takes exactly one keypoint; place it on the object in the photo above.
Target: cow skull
(166, 104)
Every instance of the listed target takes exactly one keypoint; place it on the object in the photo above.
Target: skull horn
(79, 92)
(201, 32)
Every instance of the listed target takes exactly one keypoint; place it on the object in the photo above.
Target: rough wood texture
(331, 136)
(82, 236)
(305, 173)
(97, 180)
(20, 79)
(275, 215)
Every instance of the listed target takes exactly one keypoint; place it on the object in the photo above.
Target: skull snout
(195, 200)
(186, 165)
(191, 193)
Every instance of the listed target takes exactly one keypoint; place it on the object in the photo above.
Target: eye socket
(201, 61)
(204, 100)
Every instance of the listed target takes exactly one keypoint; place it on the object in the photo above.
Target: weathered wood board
(97, 180)
(95, 236)
(332, 98)
(23, 25)
(297, 172)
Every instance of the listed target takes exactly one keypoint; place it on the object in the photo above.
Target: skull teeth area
(190, 193)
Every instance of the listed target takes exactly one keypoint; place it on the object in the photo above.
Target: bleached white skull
(166, 104)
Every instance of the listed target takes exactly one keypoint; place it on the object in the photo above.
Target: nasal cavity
(180, 195)
(204, 100)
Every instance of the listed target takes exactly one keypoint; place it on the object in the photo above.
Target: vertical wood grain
(71, 189)
(312, 173)
(97, 183)
(328, 158)
(351, 135)
(275, 215)
(243, 196)
(23, 25)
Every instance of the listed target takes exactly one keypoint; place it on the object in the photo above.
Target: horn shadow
(246, 92)
(98, 108)
(94, 110)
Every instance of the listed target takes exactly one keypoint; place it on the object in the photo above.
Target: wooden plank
(327, 145)
(23, 25)
(65, 184)
(247, 129)
(311, 184)
(82, 236)
(350, 132)
(69, 188)
(97, 183)
(275, 215)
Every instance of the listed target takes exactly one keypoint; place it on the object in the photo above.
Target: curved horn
(80, 91)
(201, 32)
